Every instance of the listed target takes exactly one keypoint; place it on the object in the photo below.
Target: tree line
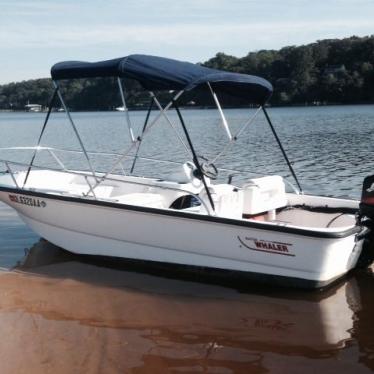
(331, 71)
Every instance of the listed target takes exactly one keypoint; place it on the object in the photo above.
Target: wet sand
(62, 314)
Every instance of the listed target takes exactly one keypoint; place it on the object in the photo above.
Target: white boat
(33, 108)
(256, 230)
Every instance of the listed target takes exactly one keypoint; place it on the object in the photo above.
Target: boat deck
(287, 210)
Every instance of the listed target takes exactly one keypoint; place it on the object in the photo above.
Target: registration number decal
(266, 246)
(25, 200)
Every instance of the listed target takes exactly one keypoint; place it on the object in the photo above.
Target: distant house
(33, 107)
(334, 70)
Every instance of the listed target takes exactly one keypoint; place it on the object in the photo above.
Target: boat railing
(10, 165)
(52, 151)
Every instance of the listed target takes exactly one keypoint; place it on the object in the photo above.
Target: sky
(35, 34)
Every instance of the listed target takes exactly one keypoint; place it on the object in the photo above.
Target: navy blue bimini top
(159, 73)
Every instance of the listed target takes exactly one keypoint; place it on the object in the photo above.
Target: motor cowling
(367, 198)
(366, 220)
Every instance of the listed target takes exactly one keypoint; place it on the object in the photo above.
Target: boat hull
(91, 227)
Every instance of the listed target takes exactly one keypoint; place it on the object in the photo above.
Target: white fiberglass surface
(121, 189)
(304, 218)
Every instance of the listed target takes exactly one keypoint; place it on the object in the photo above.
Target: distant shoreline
(326, 72)
(137, 109)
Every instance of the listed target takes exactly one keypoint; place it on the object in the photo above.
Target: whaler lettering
(25, 200)
(273, 246)
(266, 246)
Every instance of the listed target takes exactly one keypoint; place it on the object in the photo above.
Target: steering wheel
(208, 169)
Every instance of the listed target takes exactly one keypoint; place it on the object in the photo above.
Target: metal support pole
(90, 188)
(50, 106)
(140, 138)
(11, 174)
(121, 90)
(235, 137)
(75, 129)
(195, 159)
(132, 145)
(170, 123)
(50, 151)
(282, 149)
(224, 122)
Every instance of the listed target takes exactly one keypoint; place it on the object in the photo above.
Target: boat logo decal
(25, 200)
(261, 245)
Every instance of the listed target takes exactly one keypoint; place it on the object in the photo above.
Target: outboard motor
(367, 198)
(366, 219)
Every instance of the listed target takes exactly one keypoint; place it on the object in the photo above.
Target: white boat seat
(152, 200)
(264, 194)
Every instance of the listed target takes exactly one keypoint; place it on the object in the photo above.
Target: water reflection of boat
(59, 313)
(125, 320)
(325, 318)
(256, 229)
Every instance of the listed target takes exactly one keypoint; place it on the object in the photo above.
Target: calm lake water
(62, 314)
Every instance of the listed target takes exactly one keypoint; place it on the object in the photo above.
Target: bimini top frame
(158, 73)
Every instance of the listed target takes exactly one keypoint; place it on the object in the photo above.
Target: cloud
(35, 34)
(41, 8)
(190, 34)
